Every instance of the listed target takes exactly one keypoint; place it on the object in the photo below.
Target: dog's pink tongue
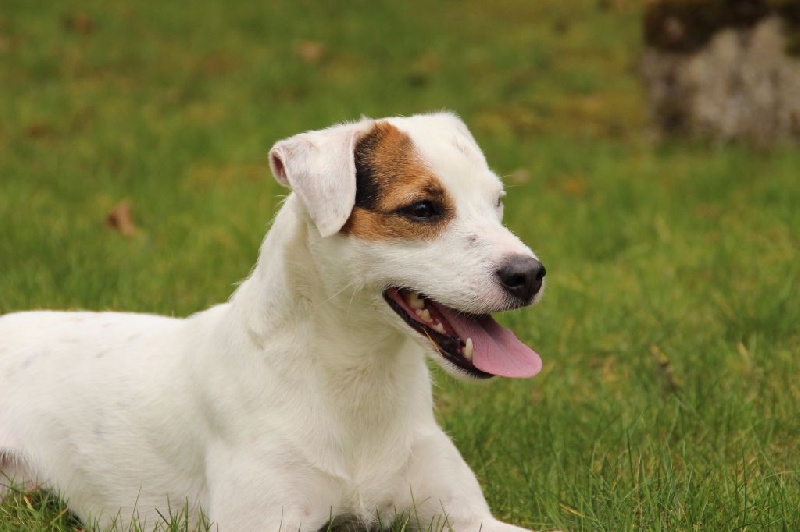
(497, 349)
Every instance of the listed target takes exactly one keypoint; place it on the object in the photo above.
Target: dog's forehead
(448, 149)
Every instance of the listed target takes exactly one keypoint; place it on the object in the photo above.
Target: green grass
(670, 398)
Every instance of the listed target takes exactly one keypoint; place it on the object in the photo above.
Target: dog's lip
(448, 344)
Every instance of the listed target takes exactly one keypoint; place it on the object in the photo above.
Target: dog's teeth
(468, 349)
(414, 301)
(425, 315)
(438, 327)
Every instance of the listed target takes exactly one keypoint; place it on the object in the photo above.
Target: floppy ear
(320, 167)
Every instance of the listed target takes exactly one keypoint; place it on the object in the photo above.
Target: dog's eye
(422, 210)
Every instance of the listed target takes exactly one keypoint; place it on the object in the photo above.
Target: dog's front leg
(442, 491)
(258, 494)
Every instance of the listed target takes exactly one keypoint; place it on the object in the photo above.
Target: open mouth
(475, 344)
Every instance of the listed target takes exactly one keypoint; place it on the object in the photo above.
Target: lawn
(670, 331)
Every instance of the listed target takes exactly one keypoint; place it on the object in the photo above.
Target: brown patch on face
(390, 179)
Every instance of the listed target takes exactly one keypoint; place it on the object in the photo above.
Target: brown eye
(422, 211)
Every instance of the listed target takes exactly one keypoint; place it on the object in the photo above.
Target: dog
(304, 400)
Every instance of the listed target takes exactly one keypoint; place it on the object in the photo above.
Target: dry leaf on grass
(311, 52)
(39, 130)
(79, 23)
(218, 64)
(121, 219)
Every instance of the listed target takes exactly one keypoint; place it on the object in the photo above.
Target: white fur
(303, 397)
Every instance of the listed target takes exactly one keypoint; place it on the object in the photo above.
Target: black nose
(521, 276)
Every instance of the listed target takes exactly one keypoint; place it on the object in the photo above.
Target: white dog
(306, 397)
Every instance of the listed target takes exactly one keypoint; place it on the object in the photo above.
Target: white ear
(320, 167)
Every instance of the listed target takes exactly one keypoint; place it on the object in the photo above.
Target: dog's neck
(337, 338)
(370, 378)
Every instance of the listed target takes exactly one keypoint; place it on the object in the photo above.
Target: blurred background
(173, 109)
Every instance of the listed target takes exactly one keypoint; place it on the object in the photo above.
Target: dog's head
(407, 212)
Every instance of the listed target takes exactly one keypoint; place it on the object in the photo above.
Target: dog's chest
(364, 471)
(364, 454)
(365, 449)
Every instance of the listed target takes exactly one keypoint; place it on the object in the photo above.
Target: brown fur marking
(392, 176)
